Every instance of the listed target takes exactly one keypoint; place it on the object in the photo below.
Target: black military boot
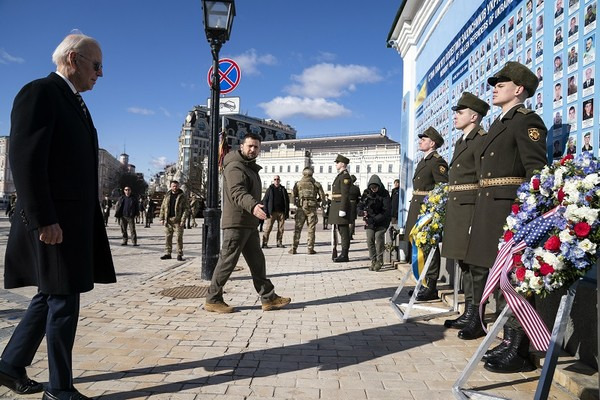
(428, 293)
(515, 358)
(473, 329)
(502, 347)
(343, 257)
(462, 320)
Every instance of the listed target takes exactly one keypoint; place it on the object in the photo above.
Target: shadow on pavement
(327, 354)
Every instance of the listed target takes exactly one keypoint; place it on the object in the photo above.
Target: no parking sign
(229, 75)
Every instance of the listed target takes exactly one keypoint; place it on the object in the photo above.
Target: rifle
(334, 242)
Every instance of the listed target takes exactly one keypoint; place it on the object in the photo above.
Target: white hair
(73, 42)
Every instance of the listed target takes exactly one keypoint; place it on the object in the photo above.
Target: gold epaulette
(524, 110)
(436, 155)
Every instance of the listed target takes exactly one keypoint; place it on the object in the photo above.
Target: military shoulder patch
(346, 181)
(534, 134)
(442, 169)
(524, 110)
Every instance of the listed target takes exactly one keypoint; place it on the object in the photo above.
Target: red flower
(561, 195)
(552, 244)
(566, 158)
(515, 208)
(546, 269)
(517, 259)
(508, 235)
(582, 229)
(521, 274)
(535, 184)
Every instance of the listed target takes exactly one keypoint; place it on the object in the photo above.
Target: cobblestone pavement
(339, 339)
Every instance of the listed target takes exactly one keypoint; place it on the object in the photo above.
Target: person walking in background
(141, 210)
(462, 193)
(194, 208)
(277, 208)
(395, 201)
(57, 240)
(430, 170)
(325, 206)
(377, 210)
(340, 212)
(308, 193)
(242, 210)
(173, 211)
(127, 211)
(106, 206)
(354, 196)
(150, 209)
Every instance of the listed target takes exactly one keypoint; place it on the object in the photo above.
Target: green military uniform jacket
(340, 199)
(354, 195)
(463, 180)
(430, 170)
(514, 147)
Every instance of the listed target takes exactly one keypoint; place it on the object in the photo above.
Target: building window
(281, 168)
(358, 169)
(329, 187)
(297, 168)
(321, 169)
(289, 168)
(379, 168)
(368, 169)
(329, 169)
(391, 168)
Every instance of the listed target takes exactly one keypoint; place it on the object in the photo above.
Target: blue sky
(321, 66)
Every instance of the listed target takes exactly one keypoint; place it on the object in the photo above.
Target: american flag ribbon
(530, 235)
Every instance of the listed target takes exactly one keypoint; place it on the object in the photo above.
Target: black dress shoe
(64, 395)
(166, 257)
(427, 294)
(22, 385)
(342, 259)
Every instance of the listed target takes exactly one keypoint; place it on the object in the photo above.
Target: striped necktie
(81, 103)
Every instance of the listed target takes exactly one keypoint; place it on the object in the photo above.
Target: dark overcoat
(54, 160)
(430, 170)
(461, 203)
(515, 146)
(354, 195)
(340, 199)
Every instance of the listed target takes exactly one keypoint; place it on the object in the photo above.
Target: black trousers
(56, 317)
(344, 231)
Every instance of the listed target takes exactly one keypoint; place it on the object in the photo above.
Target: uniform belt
(336, 196)
(505, 181)
(420, 192)
(462, 187)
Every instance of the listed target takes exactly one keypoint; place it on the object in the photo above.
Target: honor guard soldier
(462, 193)
(307, 193)
(430, 170)
(513, 149)
(340, 213)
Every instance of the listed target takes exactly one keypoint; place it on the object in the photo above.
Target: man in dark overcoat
(513, 149)
(462, 193)
(430, 170)
(340, 213)
(354, 196)
(57, 240)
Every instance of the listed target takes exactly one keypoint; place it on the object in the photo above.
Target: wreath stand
(558, 334)
(433, 311)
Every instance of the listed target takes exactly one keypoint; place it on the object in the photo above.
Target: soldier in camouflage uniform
(307, 193)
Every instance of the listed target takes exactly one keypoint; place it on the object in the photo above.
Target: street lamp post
(218, 18)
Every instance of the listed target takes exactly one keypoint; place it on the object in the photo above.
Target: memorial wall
(556, 39)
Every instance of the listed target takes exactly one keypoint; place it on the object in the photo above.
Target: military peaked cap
(518, 74)
(341, 158)
(434, 135)
(469, 100)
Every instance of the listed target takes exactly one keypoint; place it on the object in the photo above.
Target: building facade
(7, 186)
(194, 141)
(371, 153)
(108, 173)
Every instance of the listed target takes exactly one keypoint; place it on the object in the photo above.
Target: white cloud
(325, 56)
(190, 86)
(6, 58)
(139, 110)
(249, 61)
(165, 111)
(159, 162)
(329, 80)
(285, 107)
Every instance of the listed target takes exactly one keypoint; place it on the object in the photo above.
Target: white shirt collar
(68, 82)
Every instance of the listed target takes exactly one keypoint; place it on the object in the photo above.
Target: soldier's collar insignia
(442, 169)
(534, 134)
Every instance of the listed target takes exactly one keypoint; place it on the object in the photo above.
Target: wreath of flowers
(569, 249)
(433, 204)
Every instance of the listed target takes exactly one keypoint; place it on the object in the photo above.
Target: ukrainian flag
(421, 93)
(418, 257)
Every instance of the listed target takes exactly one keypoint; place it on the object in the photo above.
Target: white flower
(558, 177)
(571, 192)
(565, 236)
(553, 260)
(531, 201)
(511, 221)
(587, 246)
(591, 180)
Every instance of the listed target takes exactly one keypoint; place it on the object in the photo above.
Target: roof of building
(333, 143)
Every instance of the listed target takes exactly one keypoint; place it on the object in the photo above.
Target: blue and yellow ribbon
(418, 256)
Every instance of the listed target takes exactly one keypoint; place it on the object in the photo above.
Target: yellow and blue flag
(418, 256)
